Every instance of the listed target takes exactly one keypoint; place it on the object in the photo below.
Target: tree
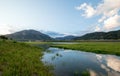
(3, 37)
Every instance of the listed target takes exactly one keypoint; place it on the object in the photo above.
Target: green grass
(43, 45)
(96, 47)
(20, 59)
(33, 43)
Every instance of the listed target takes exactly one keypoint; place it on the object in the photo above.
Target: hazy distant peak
(29, 35)
(54, 34)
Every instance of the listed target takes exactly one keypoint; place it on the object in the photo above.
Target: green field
(96, 47)
(38, 42)
(20, 59)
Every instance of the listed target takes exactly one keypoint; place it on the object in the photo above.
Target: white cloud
(97, 28)
(5, 29)
(112, 22)
(89, 10)
(107, 9)
(101, 19)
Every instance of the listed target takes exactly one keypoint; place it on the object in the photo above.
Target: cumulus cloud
(107, 9)
(5, 29)
(89, 10)
(112, 22)
(101, 19)
(97, 28)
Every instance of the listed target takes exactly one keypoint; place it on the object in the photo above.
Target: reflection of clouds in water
(113, 73)
(104, 67)
(113, 63)
(92, 73)
(67, 51)
(99, 57)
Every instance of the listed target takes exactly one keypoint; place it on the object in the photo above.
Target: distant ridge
(100, 35)
(27, 35)
(69, 37)
(53, 34)
(33, 35)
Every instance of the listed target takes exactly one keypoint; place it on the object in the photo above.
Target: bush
(3, 37)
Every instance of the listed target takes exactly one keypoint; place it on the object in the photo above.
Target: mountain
(53, 34)
(100, 35)
(27, 35)
(70, 37)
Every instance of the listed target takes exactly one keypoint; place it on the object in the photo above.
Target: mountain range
(100, 35)
(33, 35)
(27, 35)
(53, 34)
(69, 37)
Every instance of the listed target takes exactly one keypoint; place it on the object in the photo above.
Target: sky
(64, 16)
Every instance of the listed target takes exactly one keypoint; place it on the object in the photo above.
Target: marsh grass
(96, 47)
(43, 45)
(86, 73)
(20, 59)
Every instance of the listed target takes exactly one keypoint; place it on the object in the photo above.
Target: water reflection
(92, 73)
(65, 42)
(71, 62)
(113, 63)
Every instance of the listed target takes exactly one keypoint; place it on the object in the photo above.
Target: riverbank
(96, 47)
(20, 59)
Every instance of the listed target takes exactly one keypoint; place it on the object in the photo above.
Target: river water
(76, 63)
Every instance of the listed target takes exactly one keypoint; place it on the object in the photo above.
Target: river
(76, 63)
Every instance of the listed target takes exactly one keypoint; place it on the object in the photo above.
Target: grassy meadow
(20, 59)
(33, 43)
(96, 47)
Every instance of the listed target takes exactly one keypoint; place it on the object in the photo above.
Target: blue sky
(64, 16)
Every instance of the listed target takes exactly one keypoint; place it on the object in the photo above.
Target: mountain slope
(100, 35)
(53, 34)
(29, 35)
(70, 37)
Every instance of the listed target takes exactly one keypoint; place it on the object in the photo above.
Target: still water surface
(74, 63)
